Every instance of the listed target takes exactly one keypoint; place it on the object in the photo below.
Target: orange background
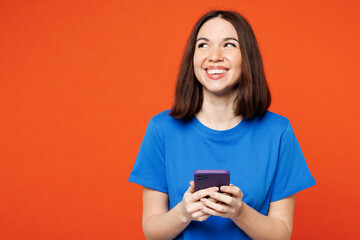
(81, 79)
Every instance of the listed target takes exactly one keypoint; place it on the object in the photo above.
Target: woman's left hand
(227, 204)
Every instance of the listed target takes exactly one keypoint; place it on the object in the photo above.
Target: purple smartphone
(211, 178)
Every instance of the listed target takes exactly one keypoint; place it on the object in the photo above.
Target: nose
(215, 54)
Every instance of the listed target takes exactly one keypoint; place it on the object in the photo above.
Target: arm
(161, 223)
(277, 225)
(158, 222)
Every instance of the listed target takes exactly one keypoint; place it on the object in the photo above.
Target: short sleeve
(292, 173)
(150, 168)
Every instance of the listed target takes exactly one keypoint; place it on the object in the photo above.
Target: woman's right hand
(192, 206)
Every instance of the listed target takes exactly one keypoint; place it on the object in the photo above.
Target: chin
(220, 92)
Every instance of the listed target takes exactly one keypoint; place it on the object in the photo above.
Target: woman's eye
(230, 45)
(203, 45)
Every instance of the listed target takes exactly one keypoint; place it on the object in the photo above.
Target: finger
(232, 190)
(192, 187)
(204, 192)
(189, 190)
(211, 199)
(221, 197)
(213, 212)
(203, 218)
(194, 207)
(215, 206)
(198, 214)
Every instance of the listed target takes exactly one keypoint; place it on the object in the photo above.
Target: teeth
(216, 71)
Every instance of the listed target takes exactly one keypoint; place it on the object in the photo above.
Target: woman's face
(217, 57)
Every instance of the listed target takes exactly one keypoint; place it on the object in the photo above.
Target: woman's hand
(227, 204)
(192, 206)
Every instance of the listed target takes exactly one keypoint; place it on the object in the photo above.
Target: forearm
(165, 226)
(258, 226)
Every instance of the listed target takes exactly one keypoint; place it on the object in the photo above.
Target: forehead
(217, 28)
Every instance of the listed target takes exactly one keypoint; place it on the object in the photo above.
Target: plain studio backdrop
(81, 79)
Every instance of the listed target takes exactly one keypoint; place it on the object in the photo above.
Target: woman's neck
(217, 112)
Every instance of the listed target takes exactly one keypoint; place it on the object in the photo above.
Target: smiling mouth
(216, 71)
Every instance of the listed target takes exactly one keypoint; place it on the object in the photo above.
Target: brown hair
(253, 97)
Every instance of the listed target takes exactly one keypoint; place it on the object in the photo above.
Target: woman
(219, 120)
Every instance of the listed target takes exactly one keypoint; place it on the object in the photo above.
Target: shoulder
(164, 118)
(164, 122)
(271, 122)
(275, 119)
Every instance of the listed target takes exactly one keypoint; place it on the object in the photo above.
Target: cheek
(198, 63)
(200, 56)
(197, 72)
(235, 59)
(237, 63)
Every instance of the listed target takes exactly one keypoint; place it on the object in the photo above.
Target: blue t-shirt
(263, 156)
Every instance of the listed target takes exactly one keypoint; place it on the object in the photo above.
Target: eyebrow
(225, 39)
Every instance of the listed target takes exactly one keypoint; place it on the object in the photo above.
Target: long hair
(253, 95)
